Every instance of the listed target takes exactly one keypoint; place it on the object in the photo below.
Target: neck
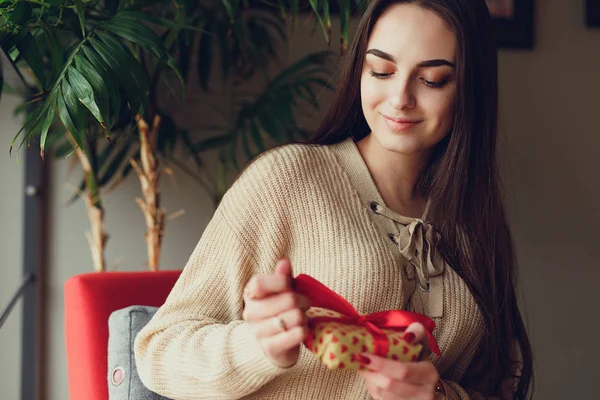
(396, 176)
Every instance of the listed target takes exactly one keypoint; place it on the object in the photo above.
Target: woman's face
(408, 82)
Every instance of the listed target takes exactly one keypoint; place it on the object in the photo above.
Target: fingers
(285, 341)
(269, 300)
(416, 333)
(422, 372)
(284, 268)
(380, 386)
(271, 327)
(417, 381)
(276, 314)
(274, 305)
(374, 391)
(261, 286)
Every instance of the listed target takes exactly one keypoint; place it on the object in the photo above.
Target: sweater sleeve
(197, 346)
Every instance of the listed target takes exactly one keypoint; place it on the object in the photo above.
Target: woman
(395, 204)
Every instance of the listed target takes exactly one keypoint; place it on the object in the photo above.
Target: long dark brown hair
(463, 184)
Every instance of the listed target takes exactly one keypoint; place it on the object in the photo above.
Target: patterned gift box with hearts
(338, 344)
(339, 333)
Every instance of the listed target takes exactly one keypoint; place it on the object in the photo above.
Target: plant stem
(96, 236)
(149, 175)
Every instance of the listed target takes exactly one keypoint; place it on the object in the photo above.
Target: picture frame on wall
(513, 22)
(592, 13)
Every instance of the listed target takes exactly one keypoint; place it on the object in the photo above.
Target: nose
(402, 97)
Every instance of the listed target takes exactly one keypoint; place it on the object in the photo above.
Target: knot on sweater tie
(416, 245)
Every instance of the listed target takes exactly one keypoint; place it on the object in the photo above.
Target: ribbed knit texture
(311, 204)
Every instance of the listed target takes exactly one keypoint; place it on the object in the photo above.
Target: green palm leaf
(130, 29)
(21, 13)
(50, 111)
(30, 51)
(344, 23)
(115, 57)
(84, 92)
(35, 122)
(71, 113)
(243, 47)
(138, 15)
(270, 118)
(109, 81)
(57, 59)
(92, 75)
(80, 15)
(126, 60)
(126, 69)
(316, 7)
(84, 81)
(327, 20)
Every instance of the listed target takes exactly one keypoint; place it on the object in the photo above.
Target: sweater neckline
(352, 161)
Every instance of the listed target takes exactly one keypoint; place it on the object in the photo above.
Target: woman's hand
(277, 314)
(395, 380)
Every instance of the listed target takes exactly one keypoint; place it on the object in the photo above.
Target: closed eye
(380, 75)
(433, 84)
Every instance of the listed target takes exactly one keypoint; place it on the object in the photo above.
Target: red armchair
(89, 301)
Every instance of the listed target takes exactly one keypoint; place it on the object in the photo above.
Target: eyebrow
(422, 64)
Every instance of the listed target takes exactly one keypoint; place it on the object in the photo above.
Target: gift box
(338, 333)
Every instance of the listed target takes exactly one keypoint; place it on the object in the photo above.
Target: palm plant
(95, 72)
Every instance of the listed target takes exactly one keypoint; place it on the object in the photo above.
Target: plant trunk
(149, 175)
(96, 236)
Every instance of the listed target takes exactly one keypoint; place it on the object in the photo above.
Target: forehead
(412, 34)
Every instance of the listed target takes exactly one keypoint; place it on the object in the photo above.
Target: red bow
(323, 297)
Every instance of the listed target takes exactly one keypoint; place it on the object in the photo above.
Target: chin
(400, 142)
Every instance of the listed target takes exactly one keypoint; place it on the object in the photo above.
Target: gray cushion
(123, 326)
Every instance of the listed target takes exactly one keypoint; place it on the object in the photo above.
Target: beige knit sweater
(318, 206)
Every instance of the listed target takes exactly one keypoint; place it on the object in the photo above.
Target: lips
(401, 120)
(399, 124)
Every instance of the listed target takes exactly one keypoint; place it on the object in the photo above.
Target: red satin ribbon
(323, 297)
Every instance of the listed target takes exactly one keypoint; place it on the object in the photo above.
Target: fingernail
(408, 337)
(249, 293)
(362, 359)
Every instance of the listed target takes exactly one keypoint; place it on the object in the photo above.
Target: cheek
(370, 92)
(441, 110)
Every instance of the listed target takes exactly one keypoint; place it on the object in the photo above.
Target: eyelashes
(431, 84)
(380, 75)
